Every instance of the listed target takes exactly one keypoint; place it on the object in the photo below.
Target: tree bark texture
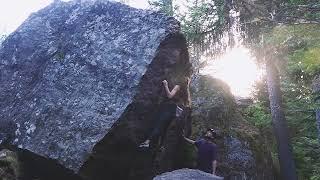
(287, 165)
(318, 120)
(316, 91)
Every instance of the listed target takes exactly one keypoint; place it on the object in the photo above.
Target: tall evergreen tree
(287, 165)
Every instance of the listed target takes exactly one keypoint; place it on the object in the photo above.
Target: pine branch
(279, 16)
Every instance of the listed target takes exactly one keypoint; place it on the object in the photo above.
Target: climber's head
(210, 133)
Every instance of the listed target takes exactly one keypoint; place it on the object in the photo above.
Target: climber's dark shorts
(162, 120)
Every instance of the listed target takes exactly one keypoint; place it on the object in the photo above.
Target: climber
(170, 108)
(207, 152)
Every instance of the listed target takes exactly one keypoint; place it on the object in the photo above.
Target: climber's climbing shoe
(144, 145)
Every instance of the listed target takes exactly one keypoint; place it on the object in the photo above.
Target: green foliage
(301, 10)
(301, 34)
(300, 114)
(297, 2)
(306, 152)
(298, 59)
(301, 49)
(305, 63)
(165, 6)
(258, 115)
(203, 22)
(205, 19)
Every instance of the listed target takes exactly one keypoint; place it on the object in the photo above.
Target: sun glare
(237, 68)
(14, 12)
(139, 4)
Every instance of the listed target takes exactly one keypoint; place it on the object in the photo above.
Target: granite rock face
(74, 70)
(186, 174)
(242, 153)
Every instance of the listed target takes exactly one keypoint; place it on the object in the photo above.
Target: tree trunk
(316, 90)
(287, 165)
(318, 119)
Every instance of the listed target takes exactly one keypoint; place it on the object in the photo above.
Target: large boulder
(82, 72)
(242, 153)
(187, 174)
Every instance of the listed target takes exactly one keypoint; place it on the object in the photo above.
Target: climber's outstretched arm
(171, 93)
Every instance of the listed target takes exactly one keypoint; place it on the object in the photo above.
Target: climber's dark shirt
(207, 153)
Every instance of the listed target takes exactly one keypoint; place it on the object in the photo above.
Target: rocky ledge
(187, 174)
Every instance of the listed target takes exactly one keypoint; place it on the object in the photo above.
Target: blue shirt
(207, 153)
